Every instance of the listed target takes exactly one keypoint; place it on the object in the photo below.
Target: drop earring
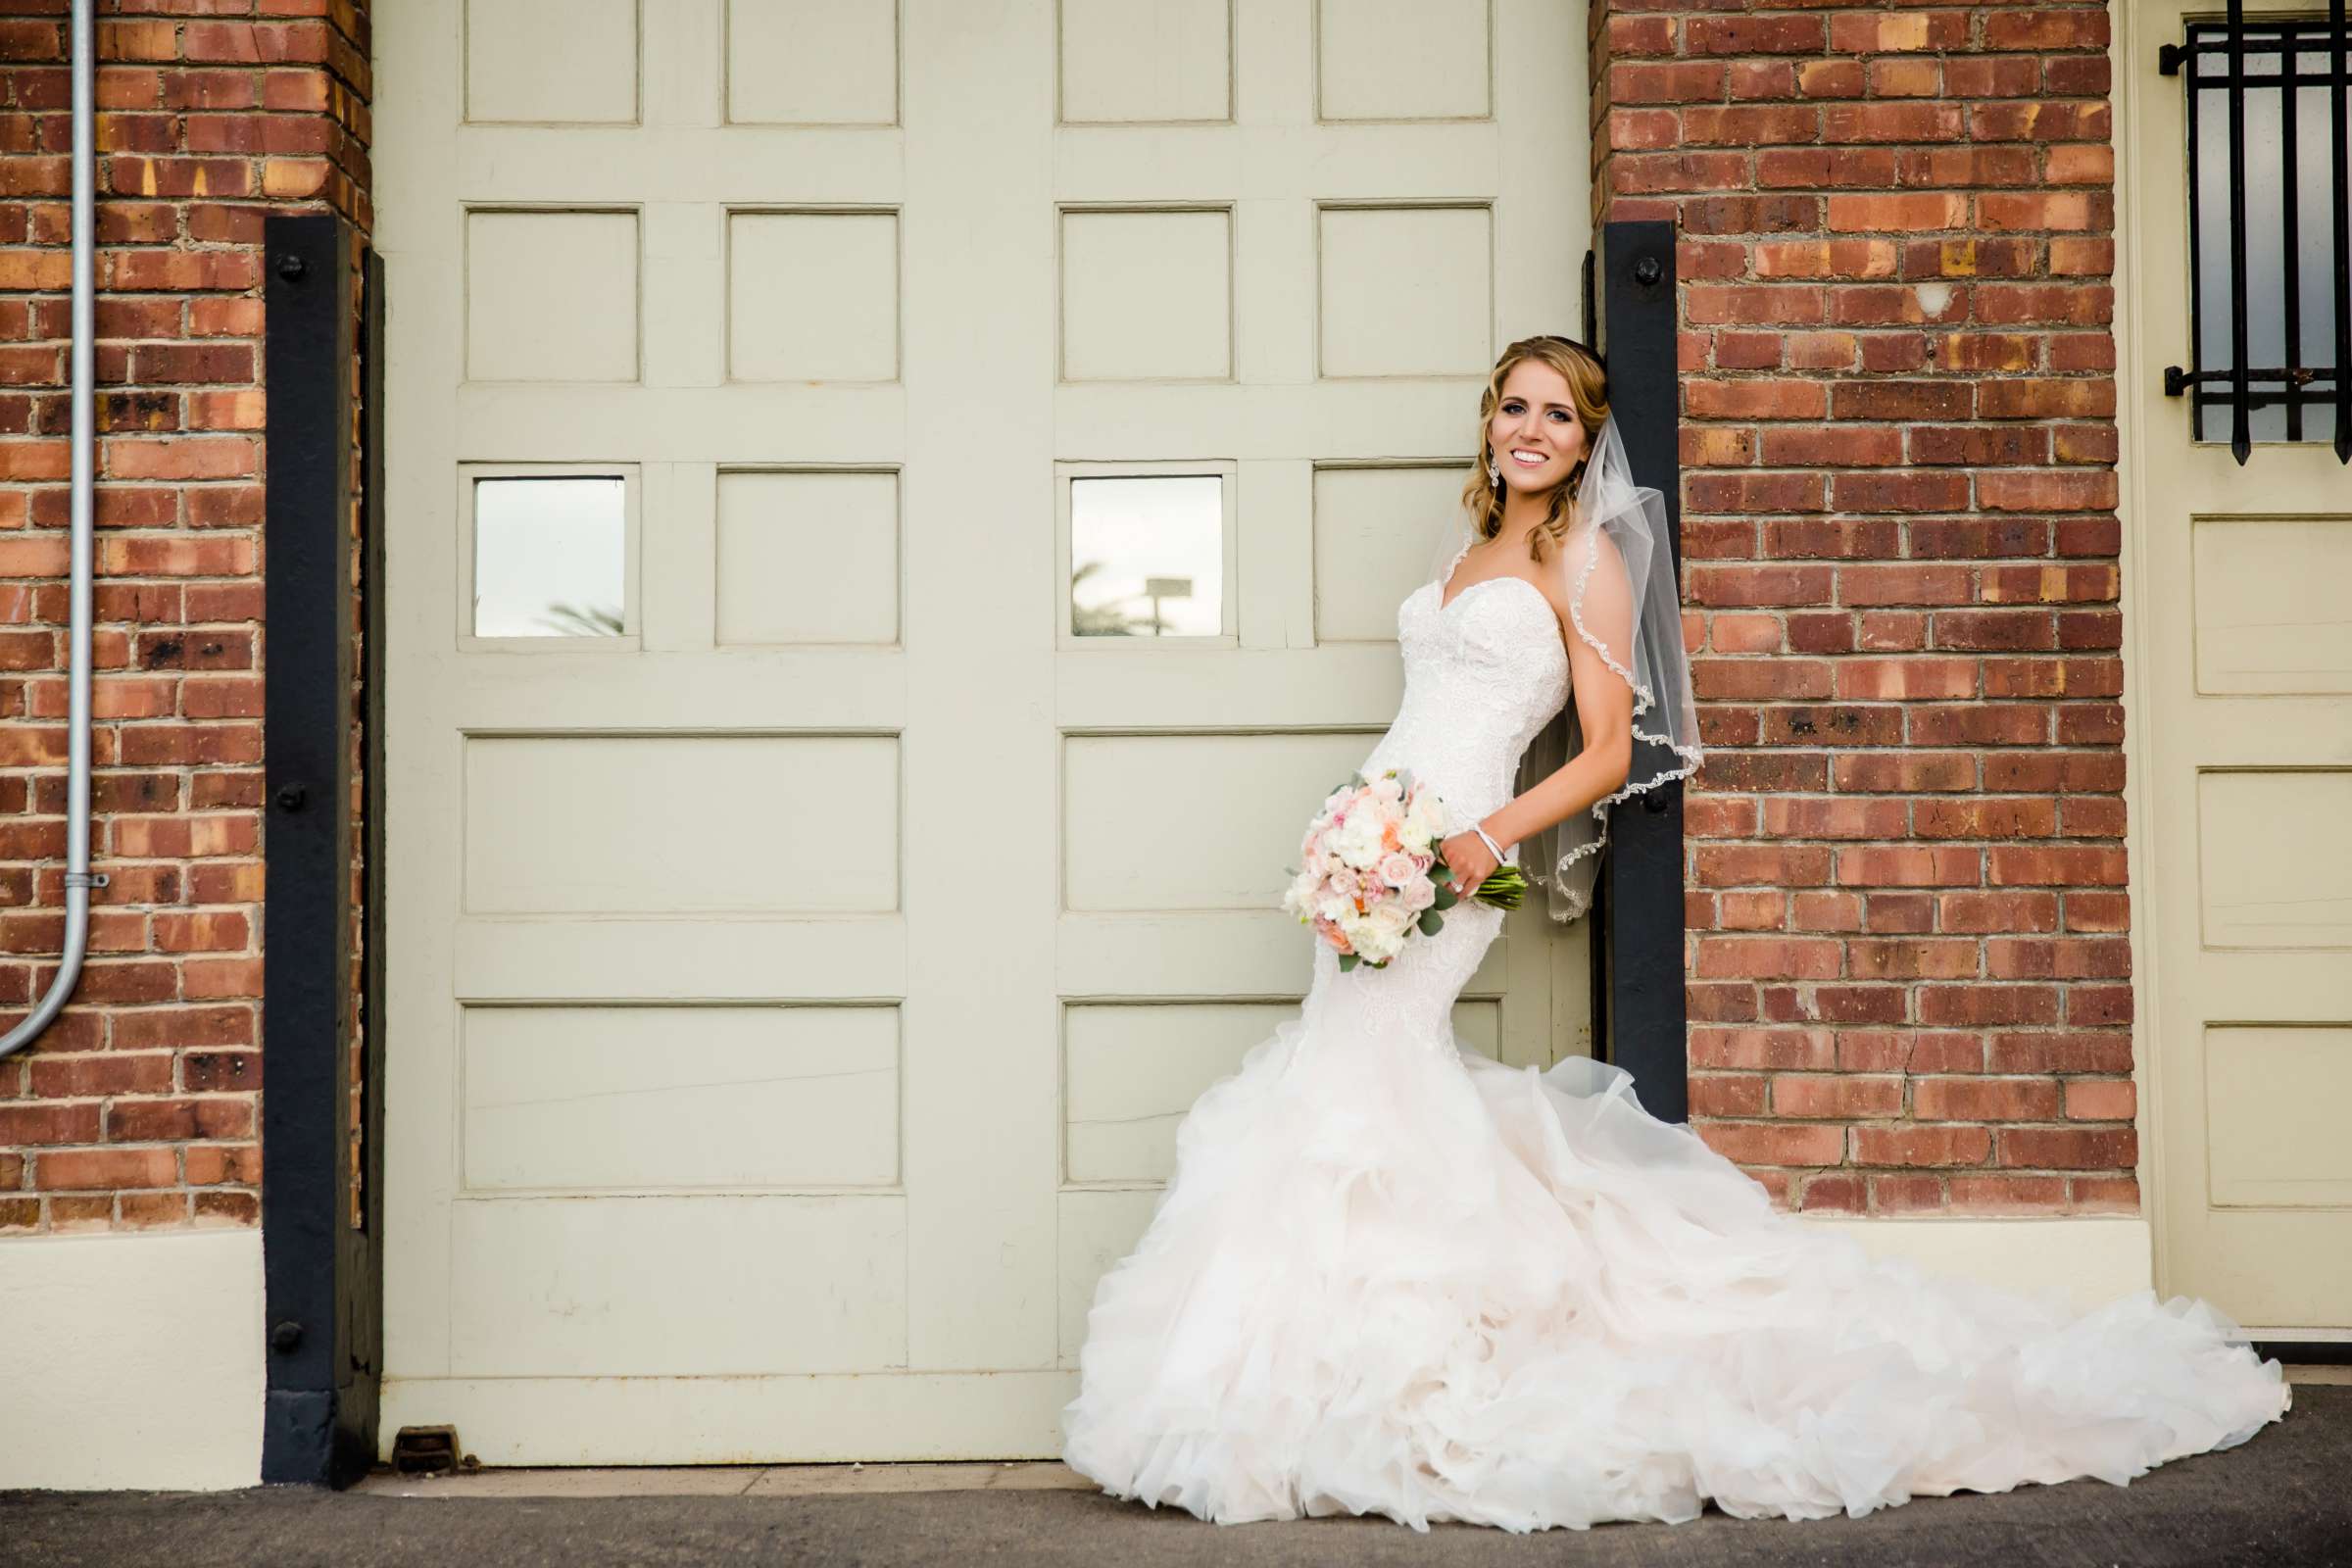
(1494, 474)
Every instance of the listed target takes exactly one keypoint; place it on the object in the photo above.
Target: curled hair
(1588, 379)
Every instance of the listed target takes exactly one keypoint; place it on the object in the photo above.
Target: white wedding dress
(1391, 1275)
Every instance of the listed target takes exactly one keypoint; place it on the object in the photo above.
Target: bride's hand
(1472, 861)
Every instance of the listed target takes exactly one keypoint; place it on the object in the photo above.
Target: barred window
(2268, 147)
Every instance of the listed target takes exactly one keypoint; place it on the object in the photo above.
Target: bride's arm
(1604, 713)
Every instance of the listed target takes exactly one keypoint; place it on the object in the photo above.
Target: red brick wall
(140, 1105)
(1910, 971)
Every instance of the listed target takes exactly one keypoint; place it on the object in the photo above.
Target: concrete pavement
(2281, 1500)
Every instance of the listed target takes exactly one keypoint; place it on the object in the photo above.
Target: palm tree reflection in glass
(582, 621)
(1110, 618)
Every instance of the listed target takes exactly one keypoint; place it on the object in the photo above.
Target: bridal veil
(1617, 575)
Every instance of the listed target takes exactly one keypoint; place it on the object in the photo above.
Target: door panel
(2242, 705)
(790, 992)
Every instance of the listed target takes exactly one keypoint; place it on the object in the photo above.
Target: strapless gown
(1391, 1275)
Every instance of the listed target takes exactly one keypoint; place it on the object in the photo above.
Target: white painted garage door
(895, 520)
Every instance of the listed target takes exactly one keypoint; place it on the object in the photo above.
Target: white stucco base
(2094, 1258)
(132, 1360)
(136, 1361)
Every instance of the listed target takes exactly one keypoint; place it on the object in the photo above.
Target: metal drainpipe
(79, 880)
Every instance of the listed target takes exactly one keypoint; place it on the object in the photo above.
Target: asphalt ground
(2281, 1500)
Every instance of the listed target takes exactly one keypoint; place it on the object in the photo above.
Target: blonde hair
(1588, 382)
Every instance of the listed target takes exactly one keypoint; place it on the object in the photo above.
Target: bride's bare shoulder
(1556, 579)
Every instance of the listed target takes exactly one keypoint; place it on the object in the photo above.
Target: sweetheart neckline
(1444, 604)
(1447, 576)
(1549, 617)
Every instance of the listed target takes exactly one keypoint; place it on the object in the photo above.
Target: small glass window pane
(2268, 231)
(549, 556)
(1147, 555)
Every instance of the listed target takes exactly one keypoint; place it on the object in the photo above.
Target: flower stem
(1505, 887)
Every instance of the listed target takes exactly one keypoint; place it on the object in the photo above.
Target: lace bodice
(1482, 675)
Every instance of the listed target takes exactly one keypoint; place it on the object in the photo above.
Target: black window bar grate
(2274, 348)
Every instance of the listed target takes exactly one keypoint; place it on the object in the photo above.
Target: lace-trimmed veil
(1618, 574)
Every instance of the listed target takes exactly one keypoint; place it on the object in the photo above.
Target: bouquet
(1374, 873)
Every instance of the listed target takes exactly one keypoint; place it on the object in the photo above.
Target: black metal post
(2195, 386)
(2241, 439)
(1641, 1011)
(2290, 218)
(322, 1290)
(2340, 109)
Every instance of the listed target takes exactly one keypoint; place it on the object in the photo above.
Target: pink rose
(1398, 870)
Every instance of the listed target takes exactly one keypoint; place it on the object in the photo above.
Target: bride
(1392, 1275)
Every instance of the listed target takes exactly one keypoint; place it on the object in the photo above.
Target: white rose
(1359, 843)
(1299, 897)
(1427, 816)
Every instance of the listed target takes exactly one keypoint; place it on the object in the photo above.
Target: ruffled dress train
(1436, 1288)
(1390, 1275)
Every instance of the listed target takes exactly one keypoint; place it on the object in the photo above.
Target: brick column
(1910, 975)
(137, 1108)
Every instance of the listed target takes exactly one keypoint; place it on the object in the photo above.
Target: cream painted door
(797, 971)
(2242, 706)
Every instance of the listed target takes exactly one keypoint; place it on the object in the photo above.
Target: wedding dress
(1392, 1275)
